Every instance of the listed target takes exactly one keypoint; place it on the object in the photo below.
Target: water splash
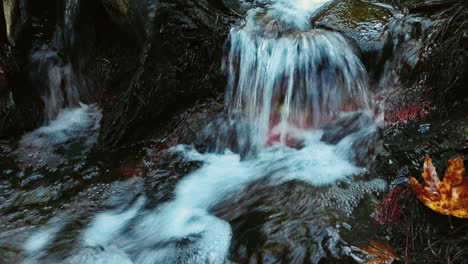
(68, 136)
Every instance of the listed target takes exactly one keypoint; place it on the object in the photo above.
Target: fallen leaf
(383, 254)
(448, 197)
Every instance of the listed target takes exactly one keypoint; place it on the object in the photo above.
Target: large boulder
(177, 64)
(19, 108)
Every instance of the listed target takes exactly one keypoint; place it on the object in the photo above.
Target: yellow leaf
(448, 197)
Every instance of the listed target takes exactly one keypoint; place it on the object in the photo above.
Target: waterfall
(57, 80)
(284, 77)
(52, 70)
(71, 127)
(299, 80)
(286, 81)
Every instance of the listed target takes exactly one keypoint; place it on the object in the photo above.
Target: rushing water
(286, 81)
(280, 81)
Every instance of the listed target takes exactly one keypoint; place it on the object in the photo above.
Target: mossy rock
(362, 19)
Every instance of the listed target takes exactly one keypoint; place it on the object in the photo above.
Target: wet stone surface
(407, 147)
(360, 20)
(295, 222)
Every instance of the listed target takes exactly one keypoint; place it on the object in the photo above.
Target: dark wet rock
(119, 10)
(37, 196)
(430, 43)
(188, 126)
(18, 107)
(422, 6)
(223, 133)
(359, 130)
(35, 178)
(345, 126)
(122, 193)
(3, 81)
(69, 183)
(293, 222)
(178, 64)
(8, 255)
(164, 168)
(406, 38)
(134, 18)
(408, 147)
(91, 173)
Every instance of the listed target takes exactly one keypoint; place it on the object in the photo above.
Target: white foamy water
(183, 230)
(40, 239)
(71, 134)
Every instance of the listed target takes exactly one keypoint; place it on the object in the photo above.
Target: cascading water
(62, 89)
(52, 69)
(285, 81)
(58, 79)
(282, 80)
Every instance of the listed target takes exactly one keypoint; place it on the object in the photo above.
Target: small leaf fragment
(381, 253)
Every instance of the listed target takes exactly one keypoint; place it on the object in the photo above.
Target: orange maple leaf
(384, 254)
(448, 197)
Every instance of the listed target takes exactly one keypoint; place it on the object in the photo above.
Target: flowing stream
(298, 110)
